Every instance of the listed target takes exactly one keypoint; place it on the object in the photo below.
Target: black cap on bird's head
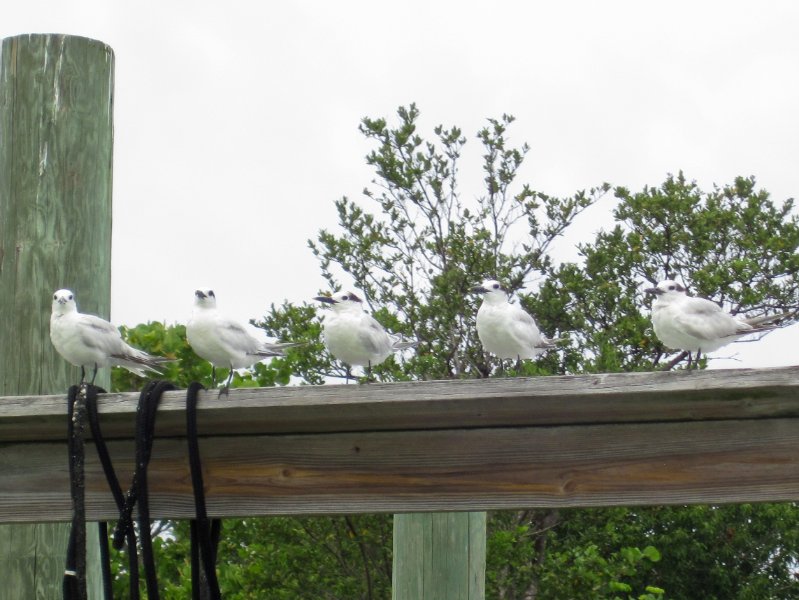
(339, 297)
(205, 298)
(489, 285)
(666, 286)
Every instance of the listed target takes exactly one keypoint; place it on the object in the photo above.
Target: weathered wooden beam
(626, 439)
(461, 404)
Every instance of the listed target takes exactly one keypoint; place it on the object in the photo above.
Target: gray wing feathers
(270, 349)
(373, 337)
(525, 330)
(769, 322)
(400, 344)
(98, 333)
(237, 336)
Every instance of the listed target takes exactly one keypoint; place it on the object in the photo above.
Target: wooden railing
(593, 440)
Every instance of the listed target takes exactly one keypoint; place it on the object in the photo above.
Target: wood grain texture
(56, 130)
(545, 401)
(56, 135)
(439, 555)
(431, 470)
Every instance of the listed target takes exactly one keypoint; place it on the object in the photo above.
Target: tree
(418, 255)
(415, 246)
(733, 245)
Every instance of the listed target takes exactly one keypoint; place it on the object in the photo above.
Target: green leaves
(415, 246)
(733, 245)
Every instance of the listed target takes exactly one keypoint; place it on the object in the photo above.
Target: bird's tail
(769, 322)
(141, 363)
(548, 343)
(397, 343)
(276, 349)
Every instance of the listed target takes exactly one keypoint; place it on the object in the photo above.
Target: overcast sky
(236, 122)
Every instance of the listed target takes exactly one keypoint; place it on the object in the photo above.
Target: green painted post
(439, 556)
(56, 137)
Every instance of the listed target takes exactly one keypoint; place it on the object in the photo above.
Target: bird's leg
(696, 358)
(347, 374)
(690, 361)
(369, 378)
(82, 375)
(213, 375)
(518, 364)
(225, 391)
(94, 374)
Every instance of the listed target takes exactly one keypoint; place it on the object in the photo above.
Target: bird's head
(342, 301)
(64, 302)
(205, 298)
(666, 289)
(492, 291)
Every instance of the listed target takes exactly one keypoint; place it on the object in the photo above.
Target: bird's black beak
(654, 290)
(325, 299)
(479, 289)
(200, 294)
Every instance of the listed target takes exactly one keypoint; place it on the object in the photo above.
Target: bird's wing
(705, 320)
(523, 328)
(235, 337)
(372, 336)
(98, 333)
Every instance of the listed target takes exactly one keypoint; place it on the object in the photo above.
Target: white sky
(236, 122)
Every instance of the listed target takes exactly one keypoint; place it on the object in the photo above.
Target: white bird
(90, 342)
(224, 342)
(506, 329)
(697, 325)
(354, 337)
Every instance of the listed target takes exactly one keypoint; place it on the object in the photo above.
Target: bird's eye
(211, 293)
(55, 296)
(70, 297)
(345, 297)
(496, 286)
(671, 287)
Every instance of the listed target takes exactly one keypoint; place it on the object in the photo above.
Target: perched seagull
(224, 342)
(90, 342)
(697, 325)
(354, 337)
(506, 329)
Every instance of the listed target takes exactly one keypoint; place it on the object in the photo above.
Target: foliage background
(415, 245)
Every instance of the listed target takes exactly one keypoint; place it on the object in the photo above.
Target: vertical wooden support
(56, 137)
(439, 556)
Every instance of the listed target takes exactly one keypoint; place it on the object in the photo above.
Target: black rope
(105, 561)
(204, 532)
(145, 429)
(119, 499)
(74, 582)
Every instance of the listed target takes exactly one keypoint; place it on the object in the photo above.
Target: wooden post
(439, 556)
(56, 135)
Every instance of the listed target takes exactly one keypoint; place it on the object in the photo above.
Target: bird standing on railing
(354, 337)
(90, 342)
(698, 325)
(224, 342)
(506, 329)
